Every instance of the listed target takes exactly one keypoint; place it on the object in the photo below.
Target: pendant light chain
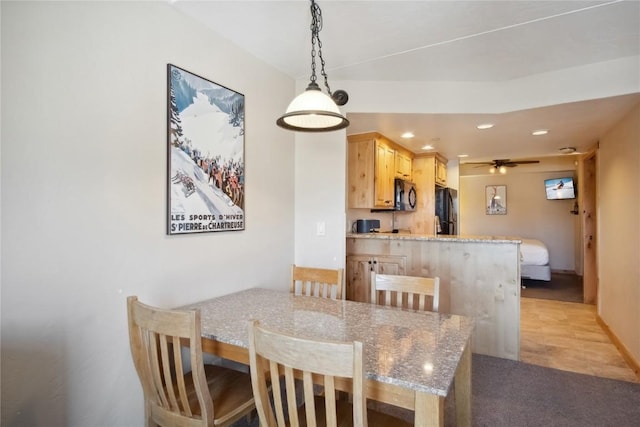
(316, 26)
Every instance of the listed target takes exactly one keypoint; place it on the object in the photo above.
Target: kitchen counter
(479, 278)
(432, 238)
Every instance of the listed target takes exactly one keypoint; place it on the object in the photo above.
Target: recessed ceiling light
(463, 155)
(483, 126)
(427, 147)
(408, 135)
(540, 132)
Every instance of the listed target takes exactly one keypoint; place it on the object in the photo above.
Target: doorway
(587, 196)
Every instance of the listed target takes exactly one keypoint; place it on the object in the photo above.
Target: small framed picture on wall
(496, 199)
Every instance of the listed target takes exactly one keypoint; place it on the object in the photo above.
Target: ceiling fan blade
(525, 162)
(502, 162)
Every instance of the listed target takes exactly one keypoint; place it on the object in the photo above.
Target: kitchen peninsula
(479, 278)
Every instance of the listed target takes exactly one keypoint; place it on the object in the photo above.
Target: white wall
(618, 189)
(529, 213)
(83, 155)
(320, 199)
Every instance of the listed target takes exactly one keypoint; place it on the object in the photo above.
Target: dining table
(413, 359)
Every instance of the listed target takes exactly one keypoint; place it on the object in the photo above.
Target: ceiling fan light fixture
(502, 170)
(567, 150)
(492, 169)
(314, 110)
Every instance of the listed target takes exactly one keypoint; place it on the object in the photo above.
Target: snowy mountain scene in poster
(206, 155)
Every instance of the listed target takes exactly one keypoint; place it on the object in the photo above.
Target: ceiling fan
(501, 164)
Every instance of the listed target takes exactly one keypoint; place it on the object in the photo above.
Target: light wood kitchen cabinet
(403, 166)
(425, 176)
(441, 171)
(383, 180)
(359, 268)
(372, 168)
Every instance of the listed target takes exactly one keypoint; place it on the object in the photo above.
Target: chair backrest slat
(277, 397)
(309, 400)
(317, 282)
(182, 388)
(167, 373)
(410, 292)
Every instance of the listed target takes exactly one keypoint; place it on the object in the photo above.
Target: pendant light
(314, 110)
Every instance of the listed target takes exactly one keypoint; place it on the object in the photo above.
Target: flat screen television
(560, 188)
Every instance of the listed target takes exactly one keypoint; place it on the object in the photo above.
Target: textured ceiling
(447, 41)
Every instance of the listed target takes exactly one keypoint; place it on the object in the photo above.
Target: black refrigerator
(446, 210)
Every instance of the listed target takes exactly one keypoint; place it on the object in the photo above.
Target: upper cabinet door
(361, 174)
(403, 166)
(385, 174)
(441, 172)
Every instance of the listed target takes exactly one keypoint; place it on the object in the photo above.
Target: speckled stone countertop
(432, 238)
(415, 350)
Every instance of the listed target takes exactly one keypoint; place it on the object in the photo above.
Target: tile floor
(566, 336)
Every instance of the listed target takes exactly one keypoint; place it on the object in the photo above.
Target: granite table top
(415, 350)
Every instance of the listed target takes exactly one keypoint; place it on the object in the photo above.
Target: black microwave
(405, 195)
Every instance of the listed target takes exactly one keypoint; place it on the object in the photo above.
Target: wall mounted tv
(560, 188)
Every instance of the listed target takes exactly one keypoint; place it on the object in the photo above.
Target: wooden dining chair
(206, 395)
(275, 355)
(405, 291)
(318, 282)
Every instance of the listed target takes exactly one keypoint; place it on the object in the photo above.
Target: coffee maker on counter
(366, 226)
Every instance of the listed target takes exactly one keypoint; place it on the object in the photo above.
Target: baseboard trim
(626, 354)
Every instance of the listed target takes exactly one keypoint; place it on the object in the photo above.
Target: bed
(534, 260)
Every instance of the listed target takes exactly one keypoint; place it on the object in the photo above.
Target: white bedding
(534, 260)
(534, 252)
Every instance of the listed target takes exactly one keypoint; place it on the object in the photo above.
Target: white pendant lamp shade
(313, 111)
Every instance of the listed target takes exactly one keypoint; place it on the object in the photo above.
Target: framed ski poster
(205, 160)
